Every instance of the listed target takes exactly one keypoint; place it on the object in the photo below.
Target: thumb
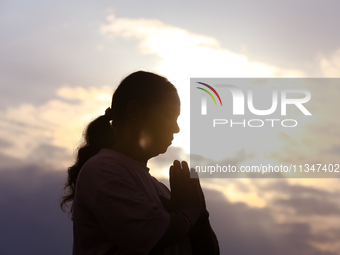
(166, 202)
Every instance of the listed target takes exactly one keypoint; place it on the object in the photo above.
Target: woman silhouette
(117, 207)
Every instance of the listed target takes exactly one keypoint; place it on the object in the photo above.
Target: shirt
(117, 209)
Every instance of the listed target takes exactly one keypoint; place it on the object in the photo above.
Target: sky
(61, 61)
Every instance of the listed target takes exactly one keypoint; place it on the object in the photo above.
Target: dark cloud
(304, 200)
(282, 186)
(309, 206)
(4, 143)
(53, 157)
(32, 222)
(335, 150)
(30, 218)
(245, 230)
(9, 162)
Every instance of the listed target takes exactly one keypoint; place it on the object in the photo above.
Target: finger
(196, 194)
(177, 164)
(171, 177)
(200, 190)
(185, 174)
(178, 174)
(176, 182)
(194, 180)
(193, 174)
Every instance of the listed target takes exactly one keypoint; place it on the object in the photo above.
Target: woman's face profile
(160, 124)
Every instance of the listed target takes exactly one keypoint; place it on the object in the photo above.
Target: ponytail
(97, 135)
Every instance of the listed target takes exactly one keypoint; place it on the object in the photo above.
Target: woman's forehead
(171, 100)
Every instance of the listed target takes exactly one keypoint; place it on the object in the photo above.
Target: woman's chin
(164, 149)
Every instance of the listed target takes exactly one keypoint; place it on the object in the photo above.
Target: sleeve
(129, 219)
(204, 240)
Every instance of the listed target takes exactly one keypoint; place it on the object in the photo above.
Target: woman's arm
(177, 229)
(203, 238)
(183, 207)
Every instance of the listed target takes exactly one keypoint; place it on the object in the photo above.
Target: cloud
(309, 206)
(293, 228)
(316, 140)
(249, 216)
(189, 54)
(183, 55)
(271, 216)
(34, 222)
(50, 131)
(31, 220)
(330, 66)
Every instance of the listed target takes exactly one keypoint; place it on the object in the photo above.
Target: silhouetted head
(145, 107)
(140, 123)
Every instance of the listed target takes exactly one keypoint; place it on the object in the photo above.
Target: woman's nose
(176, 129)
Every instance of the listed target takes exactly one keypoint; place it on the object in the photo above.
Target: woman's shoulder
(105, 157)
(106, 163)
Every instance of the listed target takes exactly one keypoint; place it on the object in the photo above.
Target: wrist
(203, 218)
(186, 217)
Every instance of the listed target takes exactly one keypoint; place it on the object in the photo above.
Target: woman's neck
(129, 146)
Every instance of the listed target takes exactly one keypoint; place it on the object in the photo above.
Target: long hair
(145, 88)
